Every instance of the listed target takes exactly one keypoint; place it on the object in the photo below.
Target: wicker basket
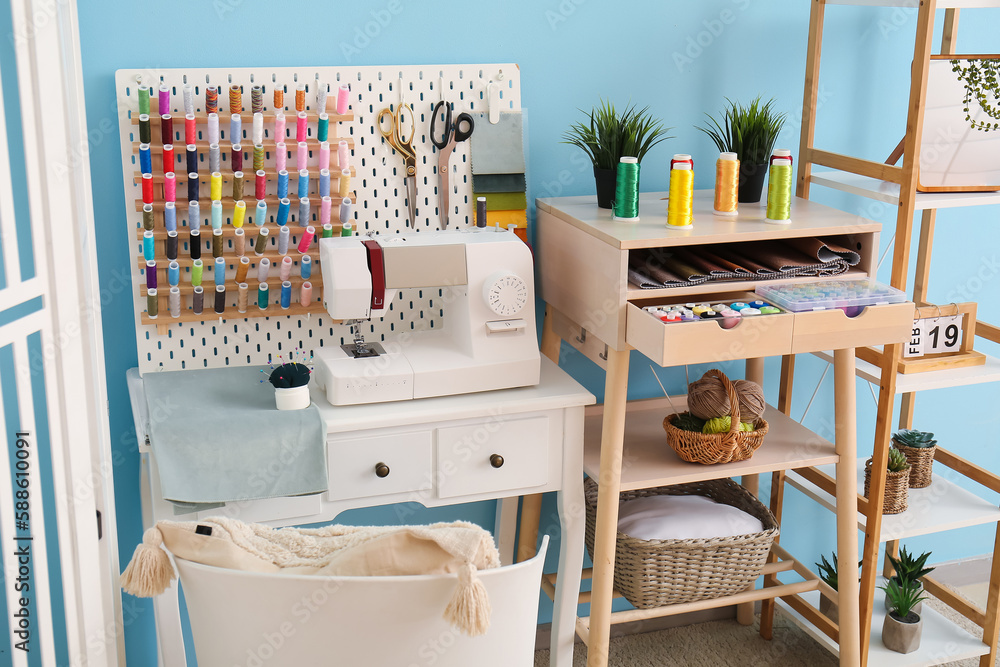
(707, 448)
(654, 573)
(896, 486)
(921, 460)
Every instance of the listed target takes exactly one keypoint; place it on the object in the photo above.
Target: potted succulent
(897, 482)
(608, 136)
(919, 448)
(910, 568)
(902, 625)
(749, 131)
(829, 574)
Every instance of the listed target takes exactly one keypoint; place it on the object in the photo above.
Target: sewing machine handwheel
(496, 460)
(382, 470)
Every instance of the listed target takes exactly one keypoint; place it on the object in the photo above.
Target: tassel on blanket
(469, 609)
(149, 572)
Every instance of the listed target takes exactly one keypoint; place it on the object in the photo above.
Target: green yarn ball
(718, 425)
(688, 422)
(746, 426)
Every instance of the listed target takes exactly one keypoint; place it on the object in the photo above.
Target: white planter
(292, 398)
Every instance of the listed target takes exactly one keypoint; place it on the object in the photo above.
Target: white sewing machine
(488, 341)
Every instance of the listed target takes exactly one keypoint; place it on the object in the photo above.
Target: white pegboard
(381, 194)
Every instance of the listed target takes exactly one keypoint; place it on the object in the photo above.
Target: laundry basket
(242, 618)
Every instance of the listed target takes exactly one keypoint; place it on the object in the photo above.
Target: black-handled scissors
(453, 133)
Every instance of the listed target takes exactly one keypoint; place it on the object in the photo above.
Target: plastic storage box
(851, 296)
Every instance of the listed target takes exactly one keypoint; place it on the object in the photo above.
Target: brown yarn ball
(707, 398)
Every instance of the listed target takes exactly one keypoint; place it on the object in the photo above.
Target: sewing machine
(488, 341)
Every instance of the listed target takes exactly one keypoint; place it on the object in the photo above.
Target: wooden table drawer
(353, 461)
(833, 329)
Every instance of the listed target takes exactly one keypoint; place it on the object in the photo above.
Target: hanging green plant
(980, 76)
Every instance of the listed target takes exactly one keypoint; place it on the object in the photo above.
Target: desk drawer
(353, 461)
(682, 343)
(465, 464)
(832, 329)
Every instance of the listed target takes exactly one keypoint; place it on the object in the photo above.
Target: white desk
(438, 452)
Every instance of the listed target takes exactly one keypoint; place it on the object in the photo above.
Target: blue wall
(680, 58)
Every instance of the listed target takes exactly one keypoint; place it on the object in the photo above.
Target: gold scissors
(405, 148)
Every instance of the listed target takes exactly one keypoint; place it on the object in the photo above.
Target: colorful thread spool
(323, 127)
(148, 245)
(284, 233)
(260, 184)
(235, 99)
(305, 294)
(240, 242)
(262, 296)
(166, 129)
(346, 229)
(343, 155)
(211, 99)
(285, 270)
(263, 267)
(727, 179)
(327, 230)
(280, 157)
(779, 188)
(219, 271)
(278, 100)
(152, 304)
(322, 91)
(480, 211)
(324, 155)
(197, 269)
(305, 267)
(260, 215)
(220, 299)
(307, 239)
(216, 214)
(170, 216)
(238, 185)
(194, 242)
(345, 211)
(303, 183)
(215, 186)
(173, 273)
(324, 182)
(283, 205)
(236, 157)
(194, 186)
(213, 128)
(143, 100)
(169, 187)
(342, 102)
(242, 298)
(286, 294)
(301, 126)
(302, 155)
(171, 245)
(258, 157)
(150, 274)
(147, 188)
(174, 301)
(749, 312)
(300, 97)
(345, 183)
(261, 245)
(325, 204)
(145, 159)
(280, 133)
(239, 213)
(304, 215)
(242, 268)
(257, 99)
(217, 243)
(164, 99)
(188, 99)
(214, 158)
(198, 300)
(190, 129)
(191, 152)
(148, 219)
(679, 207)
(168, 158)
(626, 205)
(769, 310)
(194, 213)
(144, 130)
(730, 318)
(282, 184)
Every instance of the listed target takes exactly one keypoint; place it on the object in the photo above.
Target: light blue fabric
(218, 437)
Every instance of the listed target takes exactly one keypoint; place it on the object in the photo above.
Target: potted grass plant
(897, 482)
(910, 568)
(749, 131)
(919, 448)
(902, 625)
(609, 135)
(829, 574)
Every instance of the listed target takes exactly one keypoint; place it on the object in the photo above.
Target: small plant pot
(292, 398)
(921, 460)
(751, 182)
(606, 181)
(896, 486)
(829, 608)
(902, 635)
(917, 608)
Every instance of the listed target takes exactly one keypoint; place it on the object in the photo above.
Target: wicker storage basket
(707, 448)
(654, 573)
(921, 460)
(896, 486)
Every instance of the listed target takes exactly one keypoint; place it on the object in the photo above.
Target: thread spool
(300, 97)
(282, 184)
(213, 128)
(284, 233)
(148, 218)
(188, 92)
(143, 99)
(243, 297)
(240, 242)
(152, 304)
(174, 301)
(194, 186)
(285, 269)
(779, 188)
(346, 229)
(279, 98)
(286, 294)
(322, 91)
(301, 126)
(198, 300)
(258, 157)
(148, 245)
(345, 183)
(327, 230)
(323, 127)
(166, 129)
(145, 159)
(171, 244)
(302, 155)
(283, 206)
(345, 211)
(238, 185)
(173, 273)
(305, 294)
(150, 274)
(679, 206)
(324, 182)
(324, 155)
(220, 299)
(164, 92)
(304, 214)
(626, 204)
(236, 157)
(480, 211)
(263, 267)
(194, 242)
(260, 184)
(235, 99)
(215, 186)
(242, 268)
(727, 179)
(261, 245)
(147, 188)
(219, 271)
(216, 214)
(303, 183)
(170, 216)
(190, 129)
(170, 187)
(305, 267)
(256, 99)
(239, 213)
(262, 296)
(168, 158)
(325, 204)
(145, 134)
(343, 155)
(214, 158)
(211, 99)
(197, 270)
(306, 240)
(217, 243)
(342, 101)
(260, 215)
(280, 133)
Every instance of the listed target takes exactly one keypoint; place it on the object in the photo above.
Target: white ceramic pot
(899, 636)
(292, 398)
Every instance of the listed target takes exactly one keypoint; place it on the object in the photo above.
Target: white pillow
(683, 518)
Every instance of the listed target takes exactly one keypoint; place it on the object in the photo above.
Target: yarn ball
(707, 398)
(688, 422)
(718, 425)
(751, 400)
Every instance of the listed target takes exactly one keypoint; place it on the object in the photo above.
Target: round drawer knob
(381, 470)
(496, 460)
